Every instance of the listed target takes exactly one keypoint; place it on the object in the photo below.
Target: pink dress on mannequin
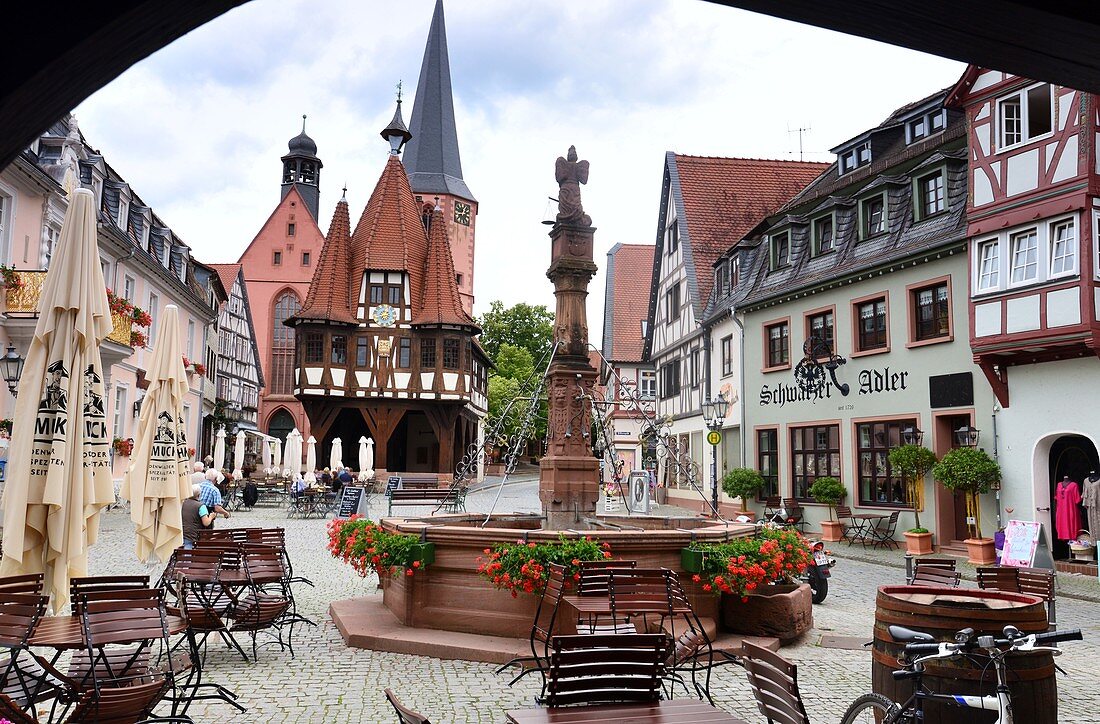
(1067, 513)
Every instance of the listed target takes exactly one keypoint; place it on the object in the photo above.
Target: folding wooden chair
(79, 587)
(794, 518)
(25, 678)
(936, 576)
(606, 669)
(542, 629)
(28, 583)
(999, 578)
(595, 580)
(268, 600)
(405, 715)
(774, 682)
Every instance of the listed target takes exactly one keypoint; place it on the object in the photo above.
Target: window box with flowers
(200, 368)
(369, 548)
(188, 365)
(757, 579)
(123, 447)
(525, 567)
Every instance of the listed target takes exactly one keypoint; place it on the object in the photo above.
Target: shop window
(878, 486)
(931, 312)
(767, 462)
(871, 324)
(815, 453)
(778, 337)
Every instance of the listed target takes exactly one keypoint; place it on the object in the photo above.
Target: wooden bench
(450, 499)
(1030, 581)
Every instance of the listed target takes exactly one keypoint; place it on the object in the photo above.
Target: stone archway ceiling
(1055, 42)
(89, 45)
(43, 80)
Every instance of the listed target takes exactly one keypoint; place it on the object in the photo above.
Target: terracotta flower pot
(918, 544)
(980, 551)
(832, 530)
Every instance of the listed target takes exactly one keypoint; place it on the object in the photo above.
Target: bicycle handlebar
(922, 648)
(1073, 634)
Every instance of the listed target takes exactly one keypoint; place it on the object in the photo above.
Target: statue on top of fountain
(570, 174)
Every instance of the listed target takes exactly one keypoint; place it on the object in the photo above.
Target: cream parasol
(276, 456)
(366, 459)
(219, 450)
(336, 455)
(292, 454)
(265, 454)
(158, 481)
(311, 459)
(59, 462)
(238, 456)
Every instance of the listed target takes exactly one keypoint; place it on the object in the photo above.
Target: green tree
(502, 392)
(742, 483)
(911, 463)
(830, 491)
(971, 471)
(514, 363)
(529, 326)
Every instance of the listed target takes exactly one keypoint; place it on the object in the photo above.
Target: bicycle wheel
(873, 709)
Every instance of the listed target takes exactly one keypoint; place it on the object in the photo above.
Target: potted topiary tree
(742, 483)
(971, 471)
(911, 463)
(829, 491)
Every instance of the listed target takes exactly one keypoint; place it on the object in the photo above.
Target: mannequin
(1067, 515)
(1091, 501)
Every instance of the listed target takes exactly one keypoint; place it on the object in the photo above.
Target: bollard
(908, 568)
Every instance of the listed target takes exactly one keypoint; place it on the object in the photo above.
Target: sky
(198, 128)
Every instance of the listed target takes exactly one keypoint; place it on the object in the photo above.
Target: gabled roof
(227, 274)
(719, 200)
(626, 301)
(390, 234)
(441, 303)
(431, 156)
(307, 225)
(328, 290)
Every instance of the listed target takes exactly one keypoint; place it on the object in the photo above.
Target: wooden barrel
(943, 611)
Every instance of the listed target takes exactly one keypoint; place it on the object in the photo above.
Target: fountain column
(569, 485)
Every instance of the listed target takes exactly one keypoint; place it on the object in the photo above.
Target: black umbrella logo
(165, 423)
(93, 402)
(54, 397)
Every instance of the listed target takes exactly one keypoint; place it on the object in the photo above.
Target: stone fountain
(447, 610)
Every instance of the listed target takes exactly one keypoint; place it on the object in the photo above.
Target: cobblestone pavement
(328, 682)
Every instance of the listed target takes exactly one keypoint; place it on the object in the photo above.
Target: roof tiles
(441, 303)
(328, 296)
(628, 279)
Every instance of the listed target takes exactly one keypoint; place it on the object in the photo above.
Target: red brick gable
(441, 304)
(629, 284)
(328, 291)
(390, 235)
(724, 198)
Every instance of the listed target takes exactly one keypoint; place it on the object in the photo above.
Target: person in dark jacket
(196, 516)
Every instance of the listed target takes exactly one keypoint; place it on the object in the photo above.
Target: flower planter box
(918, 544)
(980, 551)
(425, 553)
(691, 560)
(783, 611)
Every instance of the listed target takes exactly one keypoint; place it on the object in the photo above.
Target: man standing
(199, 476)
(210, 496)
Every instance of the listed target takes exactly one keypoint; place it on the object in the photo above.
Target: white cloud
(198, 129)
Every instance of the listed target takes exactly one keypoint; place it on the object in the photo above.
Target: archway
(1054, 456)
(280, 424)
(349, 427)
(413, 446)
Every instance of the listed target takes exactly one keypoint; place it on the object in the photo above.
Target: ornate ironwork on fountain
(820, 359)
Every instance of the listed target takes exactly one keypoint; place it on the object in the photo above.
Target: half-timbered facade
(240, 377)
(1033, 219)
(384, 348)
(707, 205)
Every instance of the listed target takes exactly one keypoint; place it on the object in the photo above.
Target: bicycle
(921, 647)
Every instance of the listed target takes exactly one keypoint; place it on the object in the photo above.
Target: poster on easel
(1021, 541)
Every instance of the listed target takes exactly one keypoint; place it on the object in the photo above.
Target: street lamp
(967, 436)
(13, 369)
(912, 435)
(714, 415)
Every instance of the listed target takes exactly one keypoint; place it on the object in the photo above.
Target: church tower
(432, 160)
(302, 169)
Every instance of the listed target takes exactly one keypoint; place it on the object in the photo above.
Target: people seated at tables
(344, 478)
(326, 478)
(298, 486)
(196, 516)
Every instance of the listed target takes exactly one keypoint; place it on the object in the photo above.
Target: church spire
(302, 169)
(431, 157)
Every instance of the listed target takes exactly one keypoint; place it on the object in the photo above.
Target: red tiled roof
(441, 303)
(328, 290)
(227, 273)
(390, 234)
(724, 198)
(629, 282)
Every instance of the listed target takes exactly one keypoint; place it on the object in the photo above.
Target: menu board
(393, 482)
(1021, 540)
(353, 500)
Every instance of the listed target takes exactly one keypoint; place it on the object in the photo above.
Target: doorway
(1073, 457)
(951, 525)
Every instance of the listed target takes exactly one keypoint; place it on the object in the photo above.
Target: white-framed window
(119, 424)
(1025, 115)
(872, 213)
(1025, 257)
(50, 235)
(852, 158)
(123, 213)
(989, 265)
(1063, 248)
(129, 288)
(925, 125)
(154, 304)
(931, 194)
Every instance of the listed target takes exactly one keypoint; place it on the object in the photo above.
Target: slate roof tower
(302, 169)
(432, 160)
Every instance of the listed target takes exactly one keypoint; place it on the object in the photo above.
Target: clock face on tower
(385, 315)
(462, 213)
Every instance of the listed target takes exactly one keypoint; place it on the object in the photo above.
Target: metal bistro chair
(883, 536)
(794, 518)
(844, 517)
(25, 679)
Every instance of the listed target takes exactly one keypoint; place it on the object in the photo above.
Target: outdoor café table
(588, 607)
(677, 711)
(864, 522)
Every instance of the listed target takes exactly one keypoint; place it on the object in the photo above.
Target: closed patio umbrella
(238, 456)
(311, 459)
(366, 459)
(59, 460)
(158, 481)
(276, 456)
(292, 455)
(265, 454)
(336, 455)
(219, 449)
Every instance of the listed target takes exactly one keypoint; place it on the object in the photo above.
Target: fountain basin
(450, 595)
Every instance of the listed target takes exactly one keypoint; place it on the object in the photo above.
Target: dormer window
(925, 125)
(780, 250)
(823, 234)
(1025, 115)
(722, 278)
(854, 157)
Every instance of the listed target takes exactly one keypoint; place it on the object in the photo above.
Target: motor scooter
(817, 572)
